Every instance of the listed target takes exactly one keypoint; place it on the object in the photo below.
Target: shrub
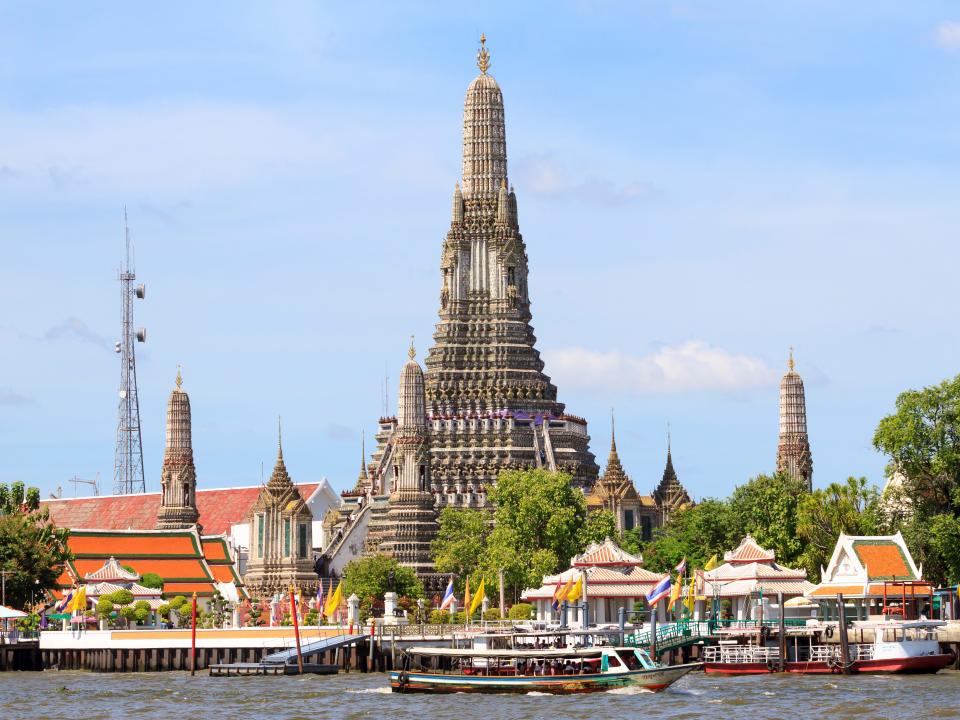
(121, 597)
(520, 611)
(104, 607)
(312, 618)
(492, 614)
(178, 602)
(439, 617)
(152, 580)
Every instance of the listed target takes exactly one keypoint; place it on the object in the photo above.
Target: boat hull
(654, 680)
(907, 665)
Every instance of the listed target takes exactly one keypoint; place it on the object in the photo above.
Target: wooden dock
(246, 669)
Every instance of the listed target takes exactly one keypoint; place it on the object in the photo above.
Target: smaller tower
(793, 449)
(411, 521)
(281, 535)
(178, 477)
(670, 495)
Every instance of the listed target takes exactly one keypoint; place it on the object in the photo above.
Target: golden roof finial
(412, 352)
(790, 361)
(483, 57)
(179, 377)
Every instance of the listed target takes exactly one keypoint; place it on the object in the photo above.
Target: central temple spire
(484, 134)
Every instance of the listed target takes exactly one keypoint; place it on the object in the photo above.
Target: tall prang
(178, 477)
(410, 524)
(793, 448)
(490, 404)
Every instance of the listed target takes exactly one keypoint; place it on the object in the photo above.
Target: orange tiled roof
(215, 550)
(874, 589)
(883, 559)
(219, 509)
(749, 551)
(122, 545)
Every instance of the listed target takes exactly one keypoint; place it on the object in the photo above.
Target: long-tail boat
(549, 670)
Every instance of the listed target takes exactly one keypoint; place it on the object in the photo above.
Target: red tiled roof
(748, 551)
(219, 509)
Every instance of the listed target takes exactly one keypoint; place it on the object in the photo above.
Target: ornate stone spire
(411, 410)
(178, 476)
(457, 214)
(363, 478)
(793, 448)
(670, 495)
(279, 478)
(484, 367)
(484, 136)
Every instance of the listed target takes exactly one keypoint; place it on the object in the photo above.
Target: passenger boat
(548, 670)
(898, 647)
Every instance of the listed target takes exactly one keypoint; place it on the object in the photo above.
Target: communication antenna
(95, 484)
(128, 475)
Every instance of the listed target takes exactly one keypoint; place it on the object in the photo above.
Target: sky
(701, 186)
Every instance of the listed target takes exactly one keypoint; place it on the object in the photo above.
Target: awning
(8, 613)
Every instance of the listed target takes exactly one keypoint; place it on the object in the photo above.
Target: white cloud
(947, 35)
(692, 365)
(73, 328)
(545, 175)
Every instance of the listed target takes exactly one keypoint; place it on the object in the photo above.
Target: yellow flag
(477, 599)
(79, 601)
(466, 596)
(712, 563)
(576, 591)
(333, 604)
(690, 599)
(565, 593)
(675, 592)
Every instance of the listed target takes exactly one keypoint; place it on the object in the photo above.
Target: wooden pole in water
(296, 628)
(844, 641)
(193, 636)
(653, 631)
(783, 632)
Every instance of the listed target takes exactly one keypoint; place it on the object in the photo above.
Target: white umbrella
(8, 613)
(799, 601)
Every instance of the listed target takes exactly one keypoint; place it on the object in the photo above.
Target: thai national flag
(681, 567)
(447, 596)
(659, 591)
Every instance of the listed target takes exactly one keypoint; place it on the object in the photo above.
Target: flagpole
(296, 628)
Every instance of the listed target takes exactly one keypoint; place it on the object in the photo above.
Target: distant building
(281, 551)
(615, 492)
(793, 448)
(750, 577)
(876, 575)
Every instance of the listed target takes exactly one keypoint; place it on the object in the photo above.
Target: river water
(166, 696)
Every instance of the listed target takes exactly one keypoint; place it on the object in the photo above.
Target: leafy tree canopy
(152, 580)
(33, 549)
(368, 578)
(460, 542)
(766, 507)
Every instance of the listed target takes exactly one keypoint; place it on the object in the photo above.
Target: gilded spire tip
(279, 439)
(412, 352)
(179, 377)
(483, 56)
(790, 363)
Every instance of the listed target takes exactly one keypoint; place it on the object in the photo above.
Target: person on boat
(568, 668)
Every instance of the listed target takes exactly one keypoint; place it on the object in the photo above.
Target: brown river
(87, 696)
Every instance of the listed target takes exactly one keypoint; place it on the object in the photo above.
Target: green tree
(460, 542)
(543, 511)
(33, 550)
(104, 607)
(368, 579)
(695, 533)
(766, 507)
(600, 525)
(152, 580)
(922, 439)
(851, 507)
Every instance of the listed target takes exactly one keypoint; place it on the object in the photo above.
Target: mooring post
(783, 632)
(653, 631)
(193, 636)
(844, 641)
(296, 628)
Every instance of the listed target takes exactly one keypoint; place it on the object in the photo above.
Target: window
(423, 477)
(628, 522)
(511, 276)
(646, 532)
(302, 548)
(259, 535)
(286, 537)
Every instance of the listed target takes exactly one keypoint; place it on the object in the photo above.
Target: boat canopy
(471, 652)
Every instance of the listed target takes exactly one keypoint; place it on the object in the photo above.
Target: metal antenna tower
(128, 475)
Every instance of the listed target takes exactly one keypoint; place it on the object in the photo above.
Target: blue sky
(701, 185)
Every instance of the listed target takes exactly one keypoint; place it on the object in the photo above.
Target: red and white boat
(898, 647)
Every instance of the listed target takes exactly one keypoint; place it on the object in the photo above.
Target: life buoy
(829, 631)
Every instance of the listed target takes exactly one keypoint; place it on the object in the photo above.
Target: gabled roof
(858, 560)
(112, 571)
(219, 508)
(607, 553)
(749, 551)
(177, 556)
